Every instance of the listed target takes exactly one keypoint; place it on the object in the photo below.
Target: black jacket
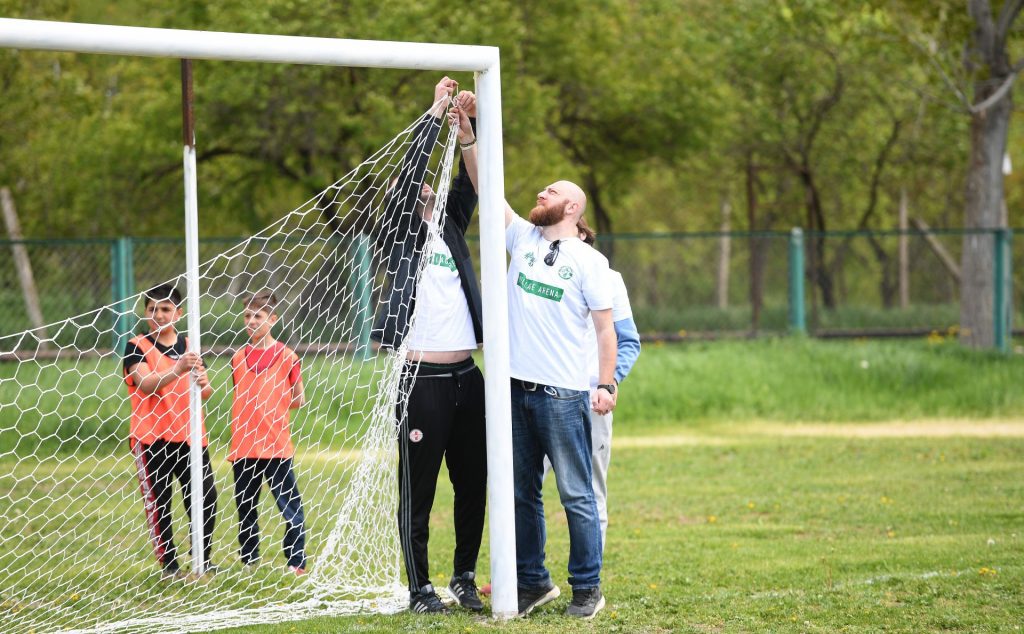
(402, 232)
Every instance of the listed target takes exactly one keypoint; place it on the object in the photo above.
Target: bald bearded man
(555, 281)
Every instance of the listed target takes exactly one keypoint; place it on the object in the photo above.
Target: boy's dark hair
(163, 293)
(589, 235)
(262, 300)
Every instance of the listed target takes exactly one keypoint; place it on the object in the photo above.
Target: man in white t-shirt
(555, 282)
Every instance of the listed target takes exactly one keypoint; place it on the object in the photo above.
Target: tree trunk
(756, 250)
(724, 249)
(904, 253)
(983, 211)
(602, 218)
(24, 266)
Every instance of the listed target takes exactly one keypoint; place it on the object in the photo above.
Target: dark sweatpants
(445, 419)
(280, 476)
(158, 465)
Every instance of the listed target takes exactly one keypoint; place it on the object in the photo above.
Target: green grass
(733, 532)
(721, 519)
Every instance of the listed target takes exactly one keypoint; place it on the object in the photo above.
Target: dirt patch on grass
(730, 434)
(935, 428)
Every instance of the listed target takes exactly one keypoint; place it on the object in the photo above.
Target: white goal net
(79, 536)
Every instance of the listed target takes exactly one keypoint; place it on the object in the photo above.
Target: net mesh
(76, 543)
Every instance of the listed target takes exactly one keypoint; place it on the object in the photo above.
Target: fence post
(364, 318)
(122, 278)
(797, 317)
(1001, 309)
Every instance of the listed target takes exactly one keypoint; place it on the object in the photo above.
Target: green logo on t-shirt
(539, 289)
(440, 259)
(530, 257)
(565, 273)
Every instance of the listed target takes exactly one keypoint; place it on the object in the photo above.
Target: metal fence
(681, 285)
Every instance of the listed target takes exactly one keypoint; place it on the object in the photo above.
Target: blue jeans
(554, 421)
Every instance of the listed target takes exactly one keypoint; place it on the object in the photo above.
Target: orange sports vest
(165, 414)
(260, 411)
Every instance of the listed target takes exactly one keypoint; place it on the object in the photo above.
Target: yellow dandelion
(615, 615)
(891, 534)
(74, 596)
(712, 519)
(682, 332)
(653, 586)
(751, 505)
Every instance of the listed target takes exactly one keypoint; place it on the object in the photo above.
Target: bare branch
(1010, 11)
(1000, 92)
(946, 79)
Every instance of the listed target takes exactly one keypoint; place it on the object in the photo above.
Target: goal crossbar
(484, 62)
(242, 47)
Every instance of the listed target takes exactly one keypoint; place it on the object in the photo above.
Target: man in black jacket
(438, 318)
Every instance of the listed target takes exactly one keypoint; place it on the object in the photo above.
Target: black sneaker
(586, 603)
(531, 598)
(426, 601)
(171, 573)
(463, 588)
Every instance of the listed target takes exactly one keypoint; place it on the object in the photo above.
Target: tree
(992, 74)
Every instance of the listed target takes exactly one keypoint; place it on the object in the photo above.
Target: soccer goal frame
(484, 62)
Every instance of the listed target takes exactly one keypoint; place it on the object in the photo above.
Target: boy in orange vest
(267, 386)
(157, 370)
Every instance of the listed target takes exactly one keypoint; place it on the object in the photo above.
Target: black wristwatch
(610, 387)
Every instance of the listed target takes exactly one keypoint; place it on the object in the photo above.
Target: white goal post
(484, 62)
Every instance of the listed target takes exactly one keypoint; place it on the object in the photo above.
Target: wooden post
(24, 266)
(904, 253)
(724, 247)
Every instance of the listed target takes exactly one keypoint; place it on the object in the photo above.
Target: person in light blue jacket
(628, 343)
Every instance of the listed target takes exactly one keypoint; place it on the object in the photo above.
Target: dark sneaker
(171, 573)
(586, 603)
(532, 598)
(463, 588)
(426, 601)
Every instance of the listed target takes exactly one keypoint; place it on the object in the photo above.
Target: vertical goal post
(483, 61)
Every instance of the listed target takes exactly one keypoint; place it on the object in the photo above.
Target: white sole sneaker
(597, 608)
(543, 599)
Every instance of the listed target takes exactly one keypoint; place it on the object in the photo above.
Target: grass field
(789, 486)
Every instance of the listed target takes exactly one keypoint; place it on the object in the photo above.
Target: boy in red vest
(158, 369)
(267, 386)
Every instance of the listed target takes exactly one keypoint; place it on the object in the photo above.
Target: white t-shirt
(442, 322)
(620, 310)
(549, 306)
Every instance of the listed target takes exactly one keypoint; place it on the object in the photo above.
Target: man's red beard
(542, 216)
